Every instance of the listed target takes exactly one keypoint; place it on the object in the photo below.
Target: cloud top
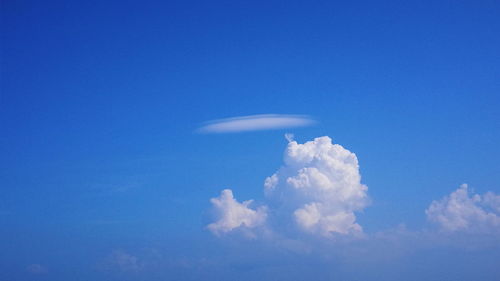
(256, 123)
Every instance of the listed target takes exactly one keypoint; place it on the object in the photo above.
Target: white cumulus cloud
(232, 214)
(321, 185)
(255, 123)
(316, 191)
(466, 212)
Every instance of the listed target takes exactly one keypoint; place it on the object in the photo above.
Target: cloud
(123, 262)
(232, 214)
(462, 211)
(255, 123)
(310, 227)
(492, 201)
(320, 186)
(37, 269)
(317, 191)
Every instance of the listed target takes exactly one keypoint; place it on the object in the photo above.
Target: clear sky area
(249, 140)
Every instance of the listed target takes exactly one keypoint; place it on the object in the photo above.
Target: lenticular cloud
(317, 191)
(255, 123)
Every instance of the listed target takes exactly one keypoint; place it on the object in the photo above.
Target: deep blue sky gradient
(99, 102)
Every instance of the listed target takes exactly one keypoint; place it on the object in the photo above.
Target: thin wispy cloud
(256, 123)
(37, 269)
(122, 261)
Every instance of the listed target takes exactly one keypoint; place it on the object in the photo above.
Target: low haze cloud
(256, 123)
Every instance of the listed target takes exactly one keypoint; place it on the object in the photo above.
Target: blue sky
(104, 176)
